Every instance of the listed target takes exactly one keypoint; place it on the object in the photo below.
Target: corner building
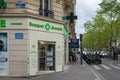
(33, 38)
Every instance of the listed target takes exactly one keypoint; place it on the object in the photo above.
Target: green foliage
(104, 26)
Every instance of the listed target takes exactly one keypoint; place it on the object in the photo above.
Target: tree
(111, 11)
(97, 33)
(104, 27)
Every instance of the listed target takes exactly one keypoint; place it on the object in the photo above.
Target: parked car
(92, 58)
(103, 54)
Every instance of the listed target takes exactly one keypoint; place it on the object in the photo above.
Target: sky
(85, 10)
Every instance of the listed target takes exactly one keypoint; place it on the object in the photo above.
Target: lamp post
(81, 51)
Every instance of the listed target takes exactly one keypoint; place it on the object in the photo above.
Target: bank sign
(40, 26)
(46, 26)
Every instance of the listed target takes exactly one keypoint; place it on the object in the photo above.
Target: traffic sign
(74, 43)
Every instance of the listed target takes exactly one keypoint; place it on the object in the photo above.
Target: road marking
(97, 77)
(118, 64)
(96, 67)
(104, 66)
(116, 67)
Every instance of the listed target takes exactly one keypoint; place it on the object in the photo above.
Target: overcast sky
(85, 10)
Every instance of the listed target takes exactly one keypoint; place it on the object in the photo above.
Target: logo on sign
(20, 4)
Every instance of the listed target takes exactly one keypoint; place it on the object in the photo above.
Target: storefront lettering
(47, 26)
(16, 23)
(56, 28)
(36, 25)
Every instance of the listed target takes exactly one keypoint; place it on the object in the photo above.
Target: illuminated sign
(2, 23)
(46, 26)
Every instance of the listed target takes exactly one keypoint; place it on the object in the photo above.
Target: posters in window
(3, 54)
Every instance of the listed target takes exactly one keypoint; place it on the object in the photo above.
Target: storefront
(31, 47)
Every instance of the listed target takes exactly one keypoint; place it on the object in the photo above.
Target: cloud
(118, 0)
(85, 10)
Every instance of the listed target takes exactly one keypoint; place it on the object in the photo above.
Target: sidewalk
(74, 71)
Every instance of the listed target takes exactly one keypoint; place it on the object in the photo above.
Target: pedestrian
(70, 55)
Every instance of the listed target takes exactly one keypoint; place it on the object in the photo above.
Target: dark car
(92, 59)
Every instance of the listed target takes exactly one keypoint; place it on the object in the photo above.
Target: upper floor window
(46, 8)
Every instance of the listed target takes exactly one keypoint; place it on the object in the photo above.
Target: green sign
(71, 17)
(65, 32)
(2, 23)
(46, 26)
(3, 4)
(64, 18)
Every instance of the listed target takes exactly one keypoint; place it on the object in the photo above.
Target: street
(74, 71)
(109, 69)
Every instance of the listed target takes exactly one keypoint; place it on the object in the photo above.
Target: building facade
(33, 38)
(69, 6)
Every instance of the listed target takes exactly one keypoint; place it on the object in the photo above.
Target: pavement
(73, 71)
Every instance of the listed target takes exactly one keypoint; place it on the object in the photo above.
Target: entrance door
(46, 58)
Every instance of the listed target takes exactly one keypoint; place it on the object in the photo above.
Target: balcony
(47, 13)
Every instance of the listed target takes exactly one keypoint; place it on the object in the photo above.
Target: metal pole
(81, 52)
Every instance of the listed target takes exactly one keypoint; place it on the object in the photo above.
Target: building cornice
(23, 15)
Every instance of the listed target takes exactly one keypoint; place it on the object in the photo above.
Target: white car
(104, 54)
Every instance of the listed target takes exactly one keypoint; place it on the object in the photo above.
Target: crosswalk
(106, 66)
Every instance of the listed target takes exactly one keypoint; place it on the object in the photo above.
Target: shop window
(3, 42)
(46, 58)
(46, 8)
(1, 45)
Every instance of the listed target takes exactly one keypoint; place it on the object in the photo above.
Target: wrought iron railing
(47, 13)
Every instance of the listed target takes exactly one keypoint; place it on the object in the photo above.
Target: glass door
(41, 58)
(50, 57)
(46, 57)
